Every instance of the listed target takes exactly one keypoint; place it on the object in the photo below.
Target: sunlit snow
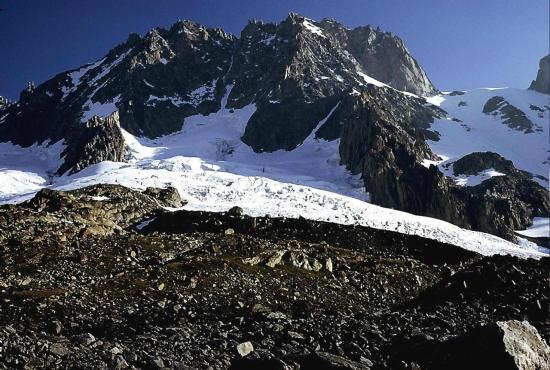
(313, 28)
(214, 170)
(539, 229)
(474, 131)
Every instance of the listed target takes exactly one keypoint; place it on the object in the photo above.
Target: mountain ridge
(295, 79)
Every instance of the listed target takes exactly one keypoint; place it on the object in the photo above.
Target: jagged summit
(158, 79)
(384, 56)
(318, 94)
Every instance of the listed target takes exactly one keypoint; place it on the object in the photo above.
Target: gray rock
(276, 258)
(474, 163)
(168, 197)
(380, 142)
(506, 345)
(542, 82)
(235, 211)
(328, 265)
(85, 339)
(511, 116)
(57, 327)
(59, 349)
(120, 363)
(34, 363)
(383, 56)
(523, 343)
(100, 139)
(159, 362)
(245, 348)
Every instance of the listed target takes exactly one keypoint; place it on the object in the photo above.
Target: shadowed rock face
(474, 163)
(542, 82)
(511, 115)
(99, 140)
(387, 146)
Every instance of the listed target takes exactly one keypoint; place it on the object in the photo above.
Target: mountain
(542, 82)
(283, 106)
(291, 71)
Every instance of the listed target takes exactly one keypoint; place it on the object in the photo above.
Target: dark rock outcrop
(383, 138)
(95, 210)
(99, 140)
(503, 204)
(294, 75)
(474, 163)
(4, 104)
(511, 115)
(167, 197)
(542, 82)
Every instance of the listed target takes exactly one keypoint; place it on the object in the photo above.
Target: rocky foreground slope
(104, 277)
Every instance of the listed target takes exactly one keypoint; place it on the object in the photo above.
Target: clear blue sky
(462, 44)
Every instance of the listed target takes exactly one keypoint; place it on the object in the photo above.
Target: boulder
(245, 348)
(504, 345)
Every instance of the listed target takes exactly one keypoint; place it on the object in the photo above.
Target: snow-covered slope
(27, 170)
(213, 170)
(540, 229)
(474, 131)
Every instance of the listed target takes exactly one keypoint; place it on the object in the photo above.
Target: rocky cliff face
(474, 163)
(383, 137)
(384, 56)
(542, 82)
(510, 115)
(293, 71)
(100, 140)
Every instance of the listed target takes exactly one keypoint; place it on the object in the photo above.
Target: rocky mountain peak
(158, 80)
(298, 79)
(4, 103)
(294, 73)
(542, 82)
(382, 56)
(293, 17)
(386, 58)
(133, 39)
(156, 49)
